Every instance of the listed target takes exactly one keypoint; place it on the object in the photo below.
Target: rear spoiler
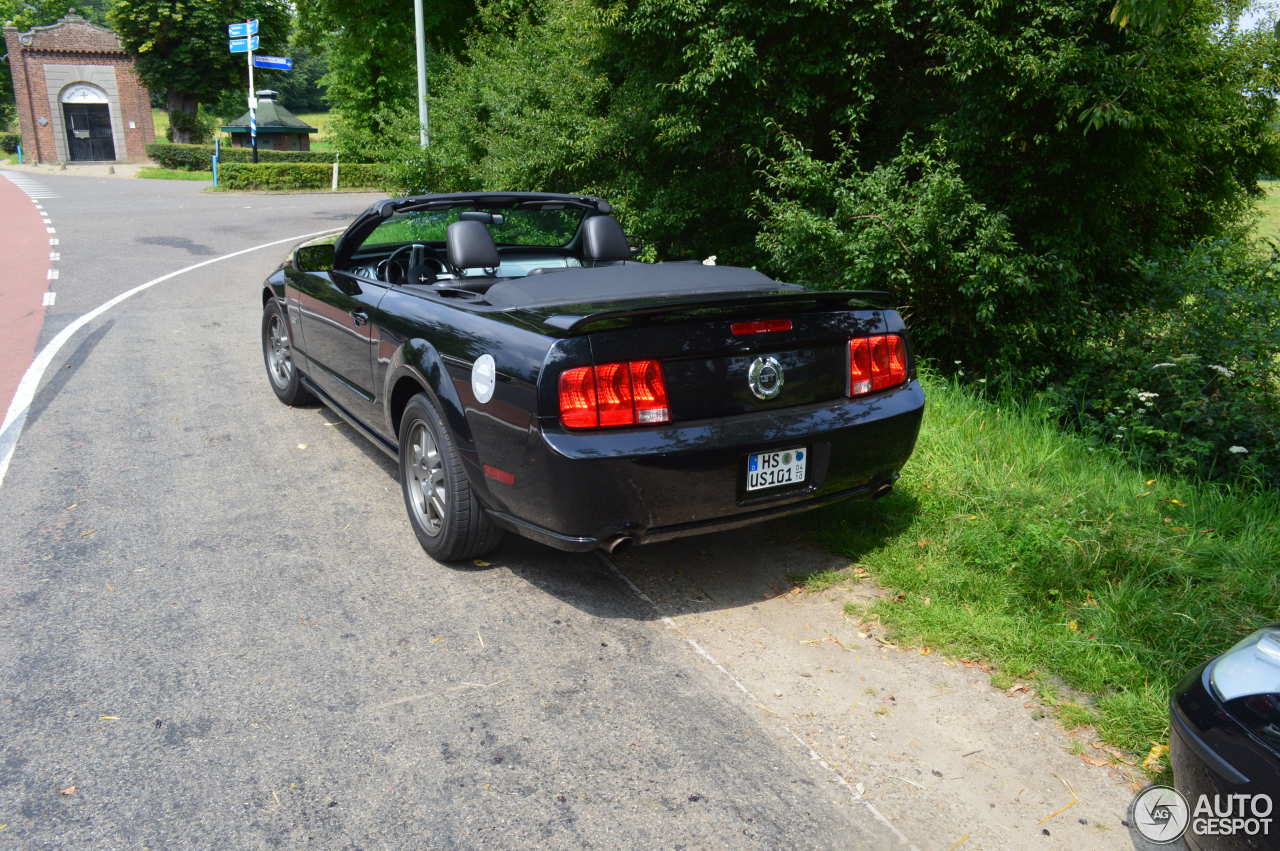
(729, 303)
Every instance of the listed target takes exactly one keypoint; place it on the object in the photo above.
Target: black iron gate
(89, 131)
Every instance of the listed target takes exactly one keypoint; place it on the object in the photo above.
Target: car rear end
(1224, 746)
(702, 418)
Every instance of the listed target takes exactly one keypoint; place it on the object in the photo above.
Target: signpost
(248, 28)
(244, 39)
(280, 63)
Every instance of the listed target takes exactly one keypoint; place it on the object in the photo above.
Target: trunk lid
(706, 366)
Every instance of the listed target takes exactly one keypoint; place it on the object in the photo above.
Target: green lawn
(322, 121)
(1014, 543)
(160, 118)
(156, 173)
(1269, 226)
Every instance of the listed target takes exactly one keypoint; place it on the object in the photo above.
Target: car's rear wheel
(449, 521)
(277, 356)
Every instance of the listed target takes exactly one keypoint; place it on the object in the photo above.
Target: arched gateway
(79, 97)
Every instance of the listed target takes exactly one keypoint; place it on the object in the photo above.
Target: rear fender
(420, 361)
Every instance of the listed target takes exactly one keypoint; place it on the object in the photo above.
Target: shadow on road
(702, 573)
(59, 378)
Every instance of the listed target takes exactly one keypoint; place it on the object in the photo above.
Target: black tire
(449, 521)
(277, 357)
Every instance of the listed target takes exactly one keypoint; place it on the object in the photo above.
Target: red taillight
(613, 387)
(578, 398)
(760, 326)
(649, 392)
(613, 394)
(876, 363)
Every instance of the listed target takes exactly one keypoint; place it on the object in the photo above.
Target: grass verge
(1268, 205)
(157, 173)
(1012, 542)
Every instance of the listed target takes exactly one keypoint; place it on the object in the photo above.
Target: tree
(181, 48)
(371, 49)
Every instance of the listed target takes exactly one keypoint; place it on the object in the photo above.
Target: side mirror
(314, 258)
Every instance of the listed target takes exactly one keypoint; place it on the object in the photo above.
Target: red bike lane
(24, 243)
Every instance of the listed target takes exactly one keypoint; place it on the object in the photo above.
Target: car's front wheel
(277, 356)
(449, 521)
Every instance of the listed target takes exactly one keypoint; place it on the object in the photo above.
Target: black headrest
(603, 240)
(470, 246)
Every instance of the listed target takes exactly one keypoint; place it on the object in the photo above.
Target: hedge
(196, 157)
(9, 142)
(290, 176)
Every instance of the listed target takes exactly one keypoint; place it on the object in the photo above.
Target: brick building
(79, 97)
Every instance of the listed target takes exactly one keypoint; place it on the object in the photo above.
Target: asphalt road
(217, 629)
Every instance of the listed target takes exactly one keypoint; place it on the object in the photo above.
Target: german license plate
(774, 469)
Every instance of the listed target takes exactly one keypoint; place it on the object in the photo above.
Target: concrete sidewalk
(82, 169)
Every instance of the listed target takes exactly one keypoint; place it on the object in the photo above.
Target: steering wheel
(396, 271)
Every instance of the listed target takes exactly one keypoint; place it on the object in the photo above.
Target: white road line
(53, 274)
(34, 189)
(14, 420)
(51, 230)
(702, 651)
(49, 298)
(54, 257)
(53, 241)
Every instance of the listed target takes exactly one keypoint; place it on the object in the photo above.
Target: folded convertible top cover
(628, 281)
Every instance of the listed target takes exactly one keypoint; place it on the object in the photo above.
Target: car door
(334, 309)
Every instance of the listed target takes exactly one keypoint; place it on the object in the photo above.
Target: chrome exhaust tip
(882, 491)
(617, 544)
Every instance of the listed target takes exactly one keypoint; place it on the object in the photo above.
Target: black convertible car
(530, 376)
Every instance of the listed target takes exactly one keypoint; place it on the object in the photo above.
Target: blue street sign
(278, 62)
(243, 45)
(243, 29)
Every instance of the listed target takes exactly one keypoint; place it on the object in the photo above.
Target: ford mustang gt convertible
(530, 376)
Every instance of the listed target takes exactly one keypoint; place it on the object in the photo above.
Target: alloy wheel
(278, 357)
(426, 479)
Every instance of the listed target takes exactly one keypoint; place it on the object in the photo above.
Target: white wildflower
(1121, 428)
(1237, 450)
(710, 261)
(1145, 395)
(957, 363)
(1226, 373)
(982, 381)
(1164, 366)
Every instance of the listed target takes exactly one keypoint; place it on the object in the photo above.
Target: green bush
(197, 157)
(1191, 381)
(9, 142)
(294, 176)
(913, 226)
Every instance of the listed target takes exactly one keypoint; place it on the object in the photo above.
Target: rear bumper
(584, 490)
(1212, 757)
(669, 533)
